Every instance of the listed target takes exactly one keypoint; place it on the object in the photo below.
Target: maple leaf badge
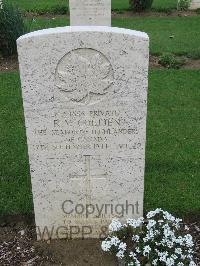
(85, 75)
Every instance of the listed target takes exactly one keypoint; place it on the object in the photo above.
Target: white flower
(157, 243)
(179, 240)
(132, 255)
(158, 210)
(189, 241)
(122, 249)
(151, 223)
(115, 225)
(137, 249)
(176, 223)
(135, 222)
(170, 244)
(120, 254)
(190, 250)
(177, 220)
(135, 238)
(190, 256)
(187, 228)
(122, 246)
(150, 214)
(106, 245)
(114, 241)
(163, 256)
(137, 263)
(146, 250)
(178, 251)
(154, 262)
(183, 257)
(169, 217)
(174, 257)
(156, 232)
(192, 263)
(163, 234)
(170, 262)
(153, 213)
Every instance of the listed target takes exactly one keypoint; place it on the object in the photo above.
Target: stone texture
(195, 4)
(85, 105)
(90, 12)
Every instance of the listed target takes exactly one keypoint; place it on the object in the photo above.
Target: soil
(18, 246)
(173, 13)
(189, 63)
(8, 64)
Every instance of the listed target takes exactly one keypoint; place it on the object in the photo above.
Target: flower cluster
(159, 239)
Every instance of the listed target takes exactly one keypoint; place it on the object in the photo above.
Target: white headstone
(195, 4)
(85, 104)
(90, 12)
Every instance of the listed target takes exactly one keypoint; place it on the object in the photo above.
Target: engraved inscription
(85, 76)
(90, 12)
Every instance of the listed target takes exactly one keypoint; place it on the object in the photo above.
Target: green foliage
(140, 5)
(12, 26)
(164, 5)
(60, 10)
(198, 11)
(194, 54)
(183, 4)
(170, 61)
(56, 10)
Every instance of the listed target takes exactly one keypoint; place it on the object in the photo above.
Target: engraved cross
(87, 176)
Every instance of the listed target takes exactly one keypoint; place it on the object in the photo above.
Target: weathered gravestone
(85, 105)
(195, 4)
(90, 12)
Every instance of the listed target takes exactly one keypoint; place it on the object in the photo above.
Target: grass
(184, 32)
(15, 187)
(164, 5)
(57, 6)
(43, 6)
(54, 5)
(172, 156)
